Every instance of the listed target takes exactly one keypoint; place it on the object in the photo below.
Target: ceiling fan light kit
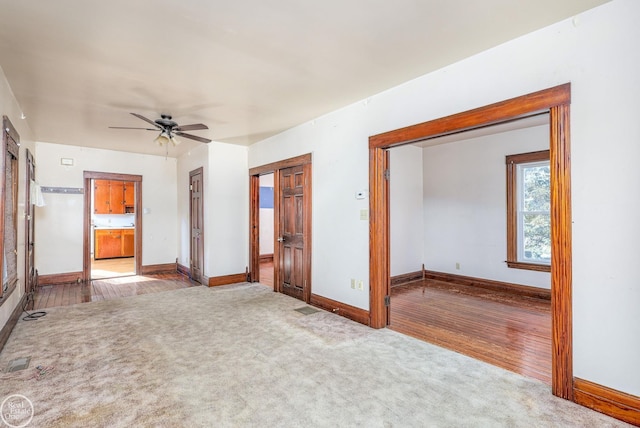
(169, 129)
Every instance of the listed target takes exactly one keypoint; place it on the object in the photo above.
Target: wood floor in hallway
(501, 329)
(49, 296)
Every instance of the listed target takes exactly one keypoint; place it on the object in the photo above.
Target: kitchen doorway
(112, 225)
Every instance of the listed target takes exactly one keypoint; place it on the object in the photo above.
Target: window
(528, 211)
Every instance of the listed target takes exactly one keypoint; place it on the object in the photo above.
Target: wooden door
(196, 225)
(29, 267)
(101, 197)
(117, 197)
(291, 241)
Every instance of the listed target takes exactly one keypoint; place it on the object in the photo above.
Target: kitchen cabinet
(101, 196)
(129, 197)
(112, 243)
(128, 242)
(113, 197)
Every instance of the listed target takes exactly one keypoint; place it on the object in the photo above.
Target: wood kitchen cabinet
(129, 197)
(108, 243)
(128, 242)
(113, 197)
(101, 196)
(112, 243)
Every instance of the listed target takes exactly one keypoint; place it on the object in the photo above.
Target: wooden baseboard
(227, 279)
(406, 277)
(183, 270)
(347, 311)
(505, 287)
(12, 321)
(616, 404)
(263, 258)
(60, 278)
(159, 268)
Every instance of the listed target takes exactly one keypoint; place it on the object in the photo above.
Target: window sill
(529, 266)
(6, 294)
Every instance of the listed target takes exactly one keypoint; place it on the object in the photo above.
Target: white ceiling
(247, 68)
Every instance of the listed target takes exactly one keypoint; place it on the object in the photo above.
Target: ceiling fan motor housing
(166, 122)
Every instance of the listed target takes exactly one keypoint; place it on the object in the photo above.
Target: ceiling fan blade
(139, 116)
(128, 127)
(193, 137)
(194, 127)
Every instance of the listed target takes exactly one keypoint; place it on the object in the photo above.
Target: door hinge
(387, 174)
(190, 186)
(387, 300)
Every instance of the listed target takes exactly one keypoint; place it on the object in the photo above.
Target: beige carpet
(240, 355)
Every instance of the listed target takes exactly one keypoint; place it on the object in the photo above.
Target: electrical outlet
(353, 283)
(361, 285)
(457, 266)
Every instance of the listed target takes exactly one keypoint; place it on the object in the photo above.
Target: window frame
(9, 183)
(513, 161)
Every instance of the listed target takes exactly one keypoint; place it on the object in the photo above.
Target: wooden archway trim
(556, 101)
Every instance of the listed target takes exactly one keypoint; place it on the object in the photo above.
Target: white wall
(465, 205)
(60, 222)
(597, 53)
(9, 107)
(406, 209)
(226, 207)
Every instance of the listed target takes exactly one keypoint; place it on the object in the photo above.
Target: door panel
(196, 220)
(292, 236)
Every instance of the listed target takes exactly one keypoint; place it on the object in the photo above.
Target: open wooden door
(29, 221)
(293, 249)
(196, 264)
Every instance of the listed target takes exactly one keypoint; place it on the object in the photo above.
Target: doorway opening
(266, 229)
(447, 213)
(112, 225)
(291, 232)
(554, 100)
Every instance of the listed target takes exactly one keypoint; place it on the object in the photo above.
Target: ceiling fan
(169, 129)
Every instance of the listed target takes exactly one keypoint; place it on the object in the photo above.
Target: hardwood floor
(111, 268)
(501, 329)
(266, 273)
(104, 289)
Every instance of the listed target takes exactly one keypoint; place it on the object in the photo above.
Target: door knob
(281, 239)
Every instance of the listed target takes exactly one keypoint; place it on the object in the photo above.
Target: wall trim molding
(616, 404)
(235, 278)
(159, 268)
(406, 278)
(342, 309)
(182, 269)
(265, 258)
(60, 278)
(12, 321)
(488, 284)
